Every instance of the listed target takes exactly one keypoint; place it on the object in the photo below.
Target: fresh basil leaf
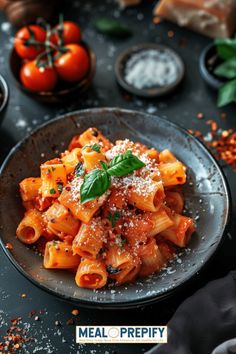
(227, 69)
(96, 147)
(104, 165)
(94, 185)
(227, 93)
(79, 169)
(112, 28)
(113, 218)
(124, 164)
(226, 48)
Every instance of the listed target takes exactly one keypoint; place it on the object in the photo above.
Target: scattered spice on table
(9, 246)
(16, 336)
(222, 143)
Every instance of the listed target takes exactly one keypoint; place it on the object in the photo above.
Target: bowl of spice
(4, 94)
(149, 70)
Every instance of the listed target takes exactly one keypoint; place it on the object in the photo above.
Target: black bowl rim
(148, 299)
(5, 88)
(149, 92)
(210, 79)
(61, 93)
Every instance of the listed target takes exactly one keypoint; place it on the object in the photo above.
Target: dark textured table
(23, 114)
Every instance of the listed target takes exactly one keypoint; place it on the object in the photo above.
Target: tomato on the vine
(72, 65)
(38, 79)
(71, 33)
(23, 36)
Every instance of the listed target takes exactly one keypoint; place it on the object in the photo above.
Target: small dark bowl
(153, 91)
(206, 197)
(207, 63)
(5, 93)
(63, 91)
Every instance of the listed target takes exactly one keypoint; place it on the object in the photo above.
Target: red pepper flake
(170, 34)
(75, 312)
(70, 322)
(32, 313)
(200, 115)
(156, 20)
(223, 115)
(9, 246)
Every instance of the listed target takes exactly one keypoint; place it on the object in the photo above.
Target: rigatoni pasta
(109, 212)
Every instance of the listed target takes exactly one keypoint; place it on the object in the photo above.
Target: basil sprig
(98, 181)
(226, 70)
(112, 28)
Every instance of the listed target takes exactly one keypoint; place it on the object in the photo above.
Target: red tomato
(38, 79)
(30, 51)
(71, 33)
(74, 64)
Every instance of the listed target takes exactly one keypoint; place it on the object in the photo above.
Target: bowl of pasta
(111, 208)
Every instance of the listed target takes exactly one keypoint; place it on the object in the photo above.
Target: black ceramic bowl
(4, 96)
(207, 63)
(206, 196)
(157, 91)
(63, 91)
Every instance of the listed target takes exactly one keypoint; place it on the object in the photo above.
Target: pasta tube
(181, 231)
(151, 258)
(29, 188)
(146, 194)
(31, 227)
(92, 136)
(70, 198)
(60, 222)
(53, 175)
(89, 240)
(172, 173)
(159, 222)
(121, 265)
(175, 201)
(71, 159)
(91, 274)
(59, 255)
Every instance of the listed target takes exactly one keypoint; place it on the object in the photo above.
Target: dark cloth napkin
(204, 321)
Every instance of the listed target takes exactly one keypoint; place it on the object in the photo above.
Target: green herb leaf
(59, 187)
(226, 48)
(79, 169)
(96, 147)
(52, 191)
(124, 164)
(113, 218)
(104, 165)
(227, 93)
(227, 69)
(123, 240)
(94, 185)
(112, 28)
